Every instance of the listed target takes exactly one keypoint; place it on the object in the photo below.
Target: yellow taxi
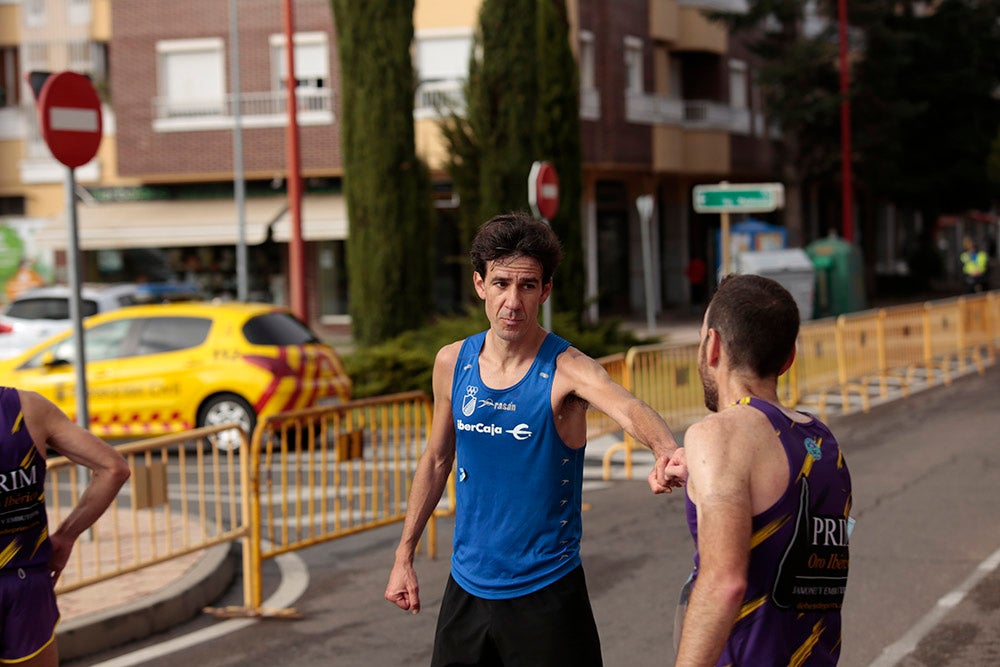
(165, 368)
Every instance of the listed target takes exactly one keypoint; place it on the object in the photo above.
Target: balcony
(436, 99)
(314, 106)
(646, 109)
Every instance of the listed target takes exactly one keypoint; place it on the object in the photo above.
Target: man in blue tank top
(768, 497)
(510, 410)
(31, 557)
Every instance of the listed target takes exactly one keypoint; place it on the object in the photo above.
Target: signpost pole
(543, 197)
(75, 314)
(644, 204)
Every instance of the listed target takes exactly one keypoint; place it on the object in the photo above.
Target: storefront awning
(324, 218)
(163, 224)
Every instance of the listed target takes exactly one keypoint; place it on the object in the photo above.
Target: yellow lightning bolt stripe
(767, 531)
(840, 461)
(18, 422)
(29, 458)
(41, 540)
(749, 607)
(7, 555)
(803, 652)
(806, 468)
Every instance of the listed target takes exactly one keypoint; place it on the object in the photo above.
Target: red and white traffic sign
(543, 190)
(69, 113)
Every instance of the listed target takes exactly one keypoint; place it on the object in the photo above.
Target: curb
(206, 581)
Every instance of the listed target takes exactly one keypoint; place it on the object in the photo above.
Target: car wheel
(227, 409)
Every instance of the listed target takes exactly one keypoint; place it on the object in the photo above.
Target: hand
(668, 472)
(61, 548)
(402, 589)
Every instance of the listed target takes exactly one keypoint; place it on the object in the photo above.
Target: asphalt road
(924, 586)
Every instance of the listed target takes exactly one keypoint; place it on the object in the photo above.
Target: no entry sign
(69, 114)
(543, 190)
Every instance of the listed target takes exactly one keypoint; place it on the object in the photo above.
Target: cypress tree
(502, 103)
(386, 187)
(557, 137)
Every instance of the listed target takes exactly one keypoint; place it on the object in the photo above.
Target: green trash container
(840, 283)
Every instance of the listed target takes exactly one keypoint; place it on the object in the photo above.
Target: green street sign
(738, 197)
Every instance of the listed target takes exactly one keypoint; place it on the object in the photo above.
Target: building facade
(667, 101)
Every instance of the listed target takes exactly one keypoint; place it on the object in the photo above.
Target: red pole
(847, 193)
(296, 251)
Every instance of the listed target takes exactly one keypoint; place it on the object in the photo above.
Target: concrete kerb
(206, 581)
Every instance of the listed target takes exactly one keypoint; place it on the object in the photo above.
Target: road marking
(893, 653)
(294, 582)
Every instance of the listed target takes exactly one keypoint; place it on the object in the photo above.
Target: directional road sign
(738, 197)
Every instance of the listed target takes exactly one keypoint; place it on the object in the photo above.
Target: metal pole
(547, 306)
(847, 193)
(296, 252)
(239, 182)
(75, 311)
(645, 206)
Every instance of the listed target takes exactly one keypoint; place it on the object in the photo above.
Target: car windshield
(48, 308)
(277, 329)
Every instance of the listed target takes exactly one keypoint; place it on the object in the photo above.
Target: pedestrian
(974, 265)
(510, 408)
(32, 557)
(768, 497)
(696, 273)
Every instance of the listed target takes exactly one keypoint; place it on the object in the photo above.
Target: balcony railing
(435, 99)
(314, 106)
(648, 109)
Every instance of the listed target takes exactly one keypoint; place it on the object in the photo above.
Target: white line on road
(893, 653)
(294, 581)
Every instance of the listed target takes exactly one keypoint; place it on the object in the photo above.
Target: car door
(163, 385)
(52, 371)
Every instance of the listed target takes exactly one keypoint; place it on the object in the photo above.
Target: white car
(36, 314)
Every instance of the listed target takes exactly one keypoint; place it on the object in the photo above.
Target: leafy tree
(387, 188)
(799, 82)
(521, 106)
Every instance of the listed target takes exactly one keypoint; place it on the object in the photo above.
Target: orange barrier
(598, 423)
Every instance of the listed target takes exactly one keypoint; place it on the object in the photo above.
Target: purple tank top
(24, 533)
(799, 555)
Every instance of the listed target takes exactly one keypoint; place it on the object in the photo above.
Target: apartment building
(666, 102)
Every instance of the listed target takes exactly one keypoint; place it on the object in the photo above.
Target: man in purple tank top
(32, 556)
(768, 497)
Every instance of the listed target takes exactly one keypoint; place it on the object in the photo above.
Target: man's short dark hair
(757, 320)
(512, 235)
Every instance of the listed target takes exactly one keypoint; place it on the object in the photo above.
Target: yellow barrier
(184, 496)
(599, 423)
(666, 377)
(327, 472)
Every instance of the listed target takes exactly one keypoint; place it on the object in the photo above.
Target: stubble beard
(709, 386)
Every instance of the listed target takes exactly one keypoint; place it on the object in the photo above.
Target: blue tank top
(518, 486)
(799, 555)
(24, 531)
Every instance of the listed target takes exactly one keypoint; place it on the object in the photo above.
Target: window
(587, 78)
(633, 65)
(34, 13)
(170, 334)
(333, 297)
(78, 12)
(191, 76)
(10, 82)
(443, 57)
(312, 61)
(738, 89)
(278, 329)
(48, 308)
(103, 342)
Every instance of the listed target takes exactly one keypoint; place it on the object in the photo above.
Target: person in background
(510, 408)
(31, 557)
(768, 497)
(974, 265)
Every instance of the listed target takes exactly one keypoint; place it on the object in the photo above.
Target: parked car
(41, 312)
(166, 368)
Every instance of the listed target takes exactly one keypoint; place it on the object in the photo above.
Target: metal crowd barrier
(184, 496)
(844, 361)
(326, 472)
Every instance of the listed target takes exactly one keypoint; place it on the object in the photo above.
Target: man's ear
(788, 362)
(713, 348)
(546, 291)
(479, 283)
